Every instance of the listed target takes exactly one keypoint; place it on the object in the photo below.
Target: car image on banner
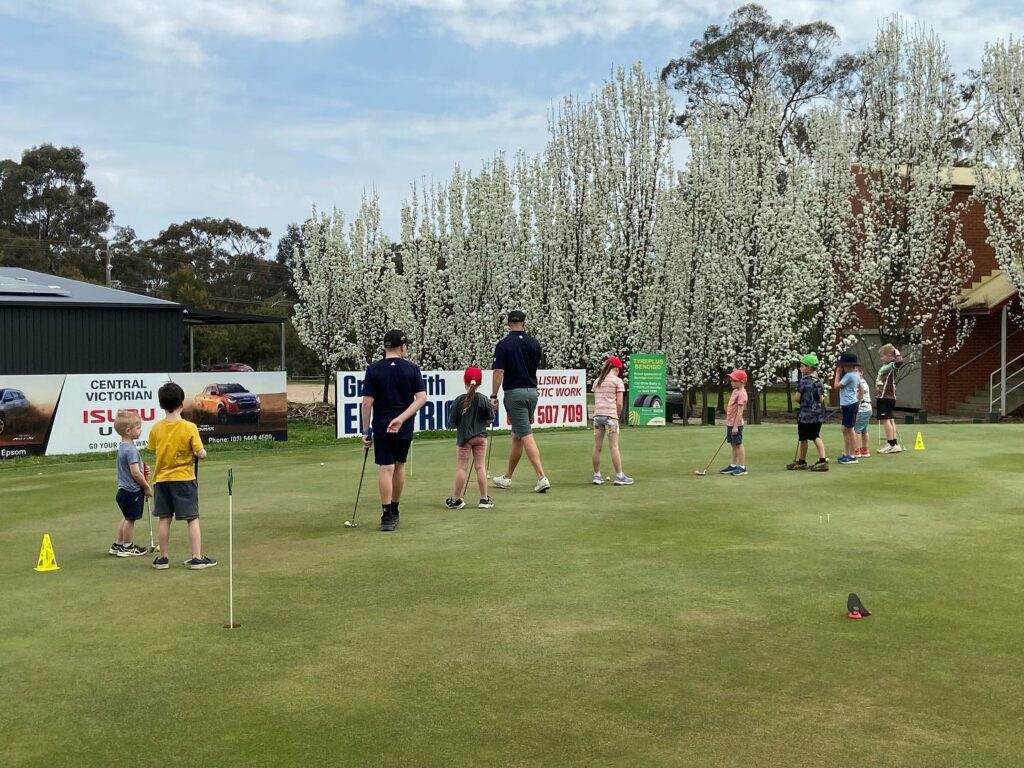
(225, 403)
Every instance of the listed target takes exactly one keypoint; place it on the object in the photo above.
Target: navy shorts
(732, 439)
(810, 431)
(850, 415)
(886, 406)
(390, 449)
(131, 503)
(176, 498)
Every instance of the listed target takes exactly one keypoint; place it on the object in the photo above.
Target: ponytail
(605, 370)
(470, 396)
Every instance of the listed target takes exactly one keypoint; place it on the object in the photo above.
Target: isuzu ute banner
(75, 413)
(561, 400)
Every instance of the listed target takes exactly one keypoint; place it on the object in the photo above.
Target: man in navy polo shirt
(516, 358)
(393, 390)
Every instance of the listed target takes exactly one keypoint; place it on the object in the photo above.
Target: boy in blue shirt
(847, 379)
(132, 486)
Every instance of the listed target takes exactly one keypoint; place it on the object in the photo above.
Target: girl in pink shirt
(608, 394)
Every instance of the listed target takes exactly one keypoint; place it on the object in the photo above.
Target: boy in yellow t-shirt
(176, 444)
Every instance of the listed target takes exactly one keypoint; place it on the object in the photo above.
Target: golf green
(697, 621)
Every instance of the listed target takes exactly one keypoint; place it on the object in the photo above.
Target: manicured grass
(681, 621)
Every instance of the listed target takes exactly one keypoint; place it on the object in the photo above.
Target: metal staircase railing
(1014, 380)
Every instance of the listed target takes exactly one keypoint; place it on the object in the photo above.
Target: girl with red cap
(609, 391)
(471, 414)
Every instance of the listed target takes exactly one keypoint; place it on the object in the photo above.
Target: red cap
(739, 375)
(616, 363)
(473, 374)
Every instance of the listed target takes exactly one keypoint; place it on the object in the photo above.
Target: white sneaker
(501, 481)
(623, 480)
(542, 485)
(598, 479)
(892, 449)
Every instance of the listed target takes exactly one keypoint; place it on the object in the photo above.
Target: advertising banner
(647, 390)
(75, 413)
(561, 401)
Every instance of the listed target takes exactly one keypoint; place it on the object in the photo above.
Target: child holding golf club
(609, 392)
(176, 444)
(132, 486)
(847, 379)
(471, 414)
(863, 415)
(885, 390)
(810, 415)
(734, 424)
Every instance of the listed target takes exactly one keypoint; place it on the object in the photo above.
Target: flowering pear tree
(911, 261)
(1000, 165)
(322, 277)
(374, 287)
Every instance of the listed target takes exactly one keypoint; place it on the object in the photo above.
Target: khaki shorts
(520, 405)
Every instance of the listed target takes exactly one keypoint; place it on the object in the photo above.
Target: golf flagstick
(231, 554)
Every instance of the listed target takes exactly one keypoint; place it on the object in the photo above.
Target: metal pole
(282, 347)
(191, 350)
(1002, 366)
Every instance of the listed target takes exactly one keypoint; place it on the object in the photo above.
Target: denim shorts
(520, 405)
(606, 422)
(732, 439)
(849, 415)
(863, 419)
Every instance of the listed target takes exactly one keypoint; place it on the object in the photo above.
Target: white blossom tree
(375, 287)
(911, 260)
(322, 277)
(1000, 161)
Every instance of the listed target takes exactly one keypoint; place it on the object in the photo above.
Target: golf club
(149, 511)
(231, 555)
(703, 472)
(796, 453)
(472, 465)
(352, 523)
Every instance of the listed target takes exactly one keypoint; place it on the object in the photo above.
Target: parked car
(228, 402)
(230, 368)
(13, 406)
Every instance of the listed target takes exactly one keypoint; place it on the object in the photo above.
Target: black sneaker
(821, 465)
(799, 464)
(388, 523)
(161, 563)
(454, 503)
(486, 503)
(131, 550)
(115, 548)
(198, 563)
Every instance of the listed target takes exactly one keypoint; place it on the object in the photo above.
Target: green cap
(811, 360)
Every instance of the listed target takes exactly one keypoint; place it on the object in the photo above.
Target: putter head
(700, 472)
(349, 524)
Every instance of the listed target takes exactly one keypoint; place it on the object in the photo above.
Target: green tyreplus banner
(647, 390)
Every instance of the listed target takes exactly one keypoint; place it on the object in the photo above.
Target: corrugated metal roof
(25, 287)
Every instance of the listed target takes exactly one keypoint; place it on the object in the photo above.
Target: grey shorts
(520, 405)
(176, 498)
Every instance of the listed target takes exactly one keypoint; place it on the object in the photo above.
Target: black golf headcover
(854, 605)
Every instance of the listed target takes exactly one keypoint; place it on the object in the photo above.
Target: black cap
(847, 358)
(517, 316)
(395, 339)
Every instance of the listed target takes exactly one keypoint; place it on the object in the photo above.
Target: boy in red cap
(734, 423)
(608, 394)
(471, 414)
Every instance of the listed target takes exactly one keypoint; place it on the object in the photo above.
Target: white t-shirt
(864, 391)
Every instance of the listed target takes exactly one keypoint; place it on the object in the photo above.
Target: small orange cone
(47, 560)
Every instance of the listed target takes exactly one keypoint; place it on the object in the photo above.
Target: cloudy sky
(259, 109)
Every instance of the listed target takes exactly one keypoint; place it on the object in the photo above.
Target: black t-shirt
(518, 354)
(392, 383)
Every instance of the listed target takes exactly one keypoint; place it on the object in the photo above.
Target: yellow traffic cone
(47, 561)
(919, 443)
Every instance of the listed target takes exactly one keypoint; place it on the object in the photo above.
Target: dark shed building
(51, 324)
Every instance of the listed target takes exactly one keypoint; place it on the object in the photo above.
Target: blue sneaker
(737, 471)
(847, 459)
(727, 470)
